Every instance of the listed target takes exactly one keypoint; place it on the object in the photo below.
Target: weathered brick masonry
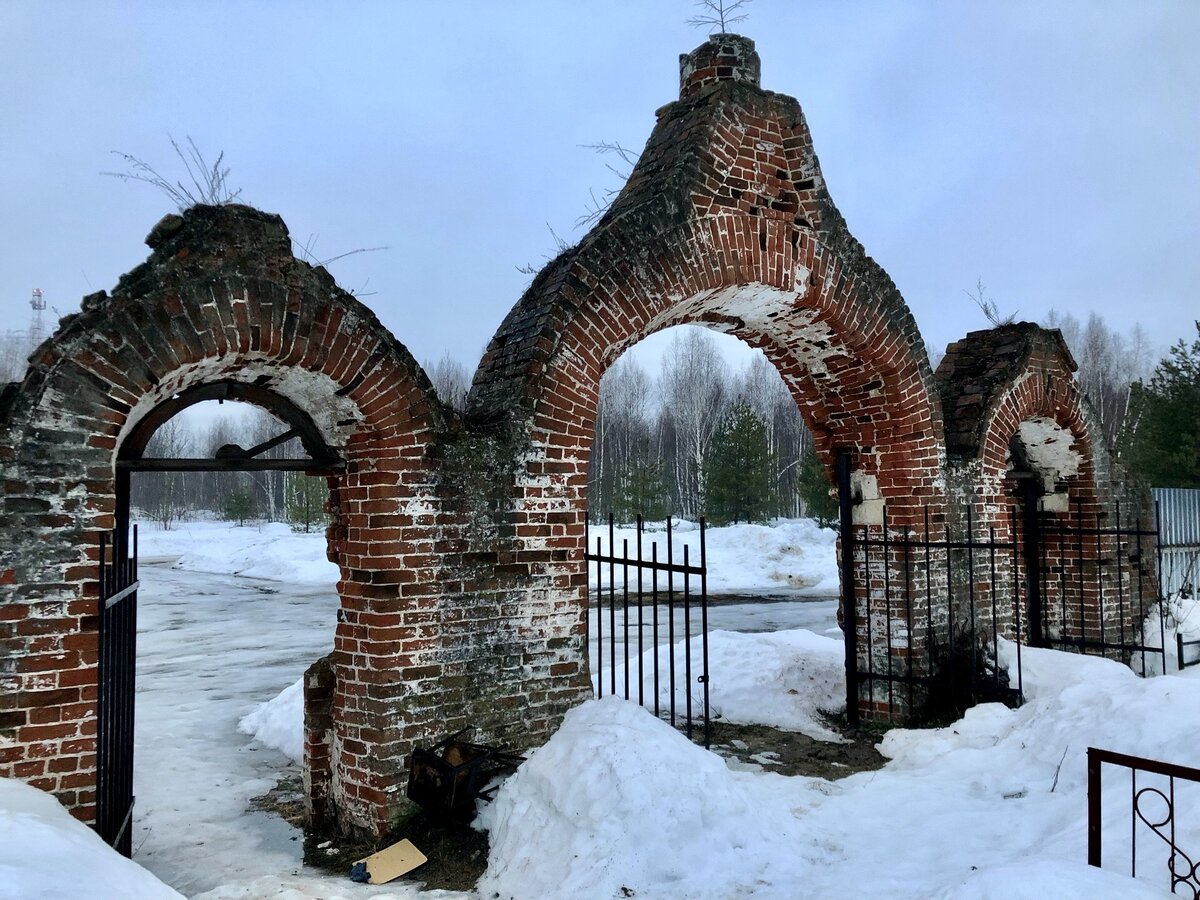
(460, 538)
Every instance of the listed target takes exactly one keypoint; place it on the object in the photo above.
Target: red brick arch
(220, 299)
(993, 381)
(1041, 393)
(460, 536)
(725, 221)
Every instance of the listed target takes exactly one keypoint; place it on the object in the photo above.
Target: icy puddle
(213, 647)
(210, 648)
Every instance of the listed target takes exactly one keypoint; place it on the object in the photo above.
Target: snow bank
(47, 854)
(279, 723)
(618, 801)
(784, 679)
(1049, 879)
(789, 557)
(1182, 618)
(793, 556)
(992, 806)
(265, 550)
(324, 887)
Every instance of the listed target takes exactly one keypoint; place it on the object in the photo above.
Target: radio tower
(37, 331)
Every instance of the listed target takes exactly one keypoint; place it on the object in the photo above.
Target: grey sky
(1050, 149)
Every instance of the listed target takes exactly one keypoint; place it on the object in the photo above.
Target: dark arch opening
(322, 455)
(322, 459)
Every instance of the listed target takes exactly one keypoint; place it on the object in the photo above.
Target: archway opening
(694, 423)
(228, 485)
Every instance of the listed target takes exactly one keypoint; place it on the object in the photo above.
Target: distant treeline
(165, 497)
(695, 438)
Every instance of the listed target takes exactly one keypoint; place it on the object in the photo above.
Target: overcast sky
(1050, 149)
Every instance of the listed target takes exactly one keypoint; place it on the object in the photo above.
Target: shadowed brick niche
(459, 538)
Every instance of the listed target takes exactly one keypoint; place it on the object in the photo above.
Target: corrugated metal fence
(1179, 538)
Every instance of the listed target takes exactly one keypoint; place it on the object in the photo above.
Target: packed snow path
(210, 649)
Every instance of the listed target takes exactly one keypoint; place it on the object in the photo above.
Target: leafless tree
(15, 348)
(718, 15)
(204, 183)
(162, 495)
(600, 203)
(988, 306)
(694, 389)
(1109, 363)
(788, 440)
(450, 380)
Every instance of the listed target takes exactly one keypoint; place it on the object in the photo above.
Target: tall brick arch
(220, 299)
(726, 221)
(459, 538)
(1021, 435)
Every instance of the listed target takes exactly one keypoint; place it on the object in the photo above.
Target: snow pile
(1180, 617)
(327, 887)
(793, 556)
(992, 806)
(45, 853)
(263, 550)
(618, 801)
(785, 679)
(790, 557)
(279, 723)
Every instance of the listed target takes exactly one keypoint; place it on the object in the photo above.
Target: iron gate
(650, 589)
(925, 608)
(114, 708)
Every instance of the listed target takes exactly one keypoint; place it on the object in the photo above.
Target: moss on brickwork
(460, 538)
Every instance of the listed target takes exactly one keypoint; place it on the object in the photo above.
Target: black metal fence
(924, 616)
(656, 608)
(1097, 580)
(1188, 651)
(1154, 806)
(115, 698)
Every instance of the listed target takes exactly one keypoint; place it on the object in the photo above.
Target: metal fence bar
(908, 602)
(654, 604)
(1182, 869)
(625, 607)
(641, 624)
(608, 557)
(612, 607)
(849, 594)
(116, 661)
(671, 618)
(704, 630)
(599, 622)
(887, 611)
(687, 644)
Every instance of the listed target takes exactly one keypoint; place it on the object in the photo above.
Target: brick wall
(459, 539)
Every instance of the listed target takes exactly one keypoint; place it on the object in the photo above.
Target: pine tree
(642, 489)
(1161, 440)
(740, 468)
(239, 506)
(306, 502)
(814, 491)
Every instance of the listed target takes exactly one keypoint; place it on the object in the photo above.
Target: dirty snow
(990, 807)
(44, 853)
(792, 556)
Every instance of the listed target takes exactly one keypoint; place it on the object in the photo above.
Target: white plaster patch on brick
(316, 394)
(417, 506)
(1050, 450)
(313, 392)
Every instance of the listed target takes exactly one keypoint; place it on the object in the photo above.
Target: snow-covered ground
(791, 557)
(617, 803)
